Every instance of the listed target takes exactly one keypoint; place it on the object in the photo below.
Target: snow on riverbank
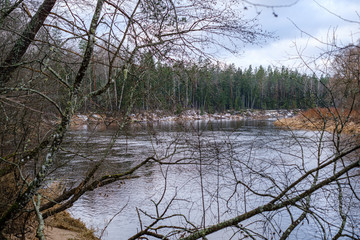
(192, 115)
(187, 115)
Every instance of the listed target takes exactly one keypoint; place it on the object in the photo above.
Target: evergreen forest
(205, 86)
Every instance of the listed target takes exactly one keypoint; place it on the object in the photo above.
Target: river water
(220, 166)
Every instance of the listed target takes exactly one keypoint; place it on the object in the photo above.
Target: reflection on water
(229, 152)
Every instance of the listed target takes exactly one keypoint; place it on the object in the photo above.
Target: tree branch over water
(109, 60)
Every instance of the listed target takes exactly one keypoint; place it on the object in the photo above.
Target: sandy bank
(54, 233)
(63, 226)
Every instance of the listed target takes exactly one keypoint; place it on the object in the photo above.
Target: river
(220, 165)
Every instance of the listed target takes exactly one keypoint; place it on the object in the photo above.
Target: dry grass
(331, 114)
(22, 224)
(65, 221)
(25, 225)
(324, 119)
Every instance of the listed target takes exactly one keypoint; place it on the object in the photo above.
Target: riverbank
(63, 226)
(91, 119)
(322, 119)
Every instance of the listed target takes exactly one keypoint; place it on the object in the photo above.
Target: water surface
(224, 160)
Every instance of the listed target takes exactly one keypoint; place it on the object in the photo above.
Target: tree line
(206, 86)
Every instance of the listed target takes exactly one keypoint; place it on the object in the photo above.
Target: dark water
(224, 162)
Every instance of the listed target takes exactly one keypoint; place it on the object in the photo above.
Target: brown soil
(54, 233)
(63, 226)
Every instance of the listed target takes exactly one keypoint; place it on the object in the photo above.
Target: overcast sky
(308, 15)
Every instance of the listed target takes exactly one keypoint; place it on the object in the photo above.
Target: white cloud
(312, 19)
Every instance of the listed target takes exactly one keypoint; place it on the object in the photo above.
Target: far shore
(80, 120)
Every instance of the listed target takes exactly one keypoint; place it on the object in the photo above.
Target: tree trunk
(12, 61)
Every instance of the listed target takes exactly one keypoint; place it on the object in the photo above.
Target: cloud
(275, 54)
(304, 27)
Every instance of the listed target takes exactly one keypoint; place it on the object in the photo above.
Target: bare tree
(43, 74)
(310, 173)
(270, 187)
(46, 79)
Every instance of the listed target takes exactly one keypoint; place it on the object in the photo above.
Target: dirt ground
(54, 233)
